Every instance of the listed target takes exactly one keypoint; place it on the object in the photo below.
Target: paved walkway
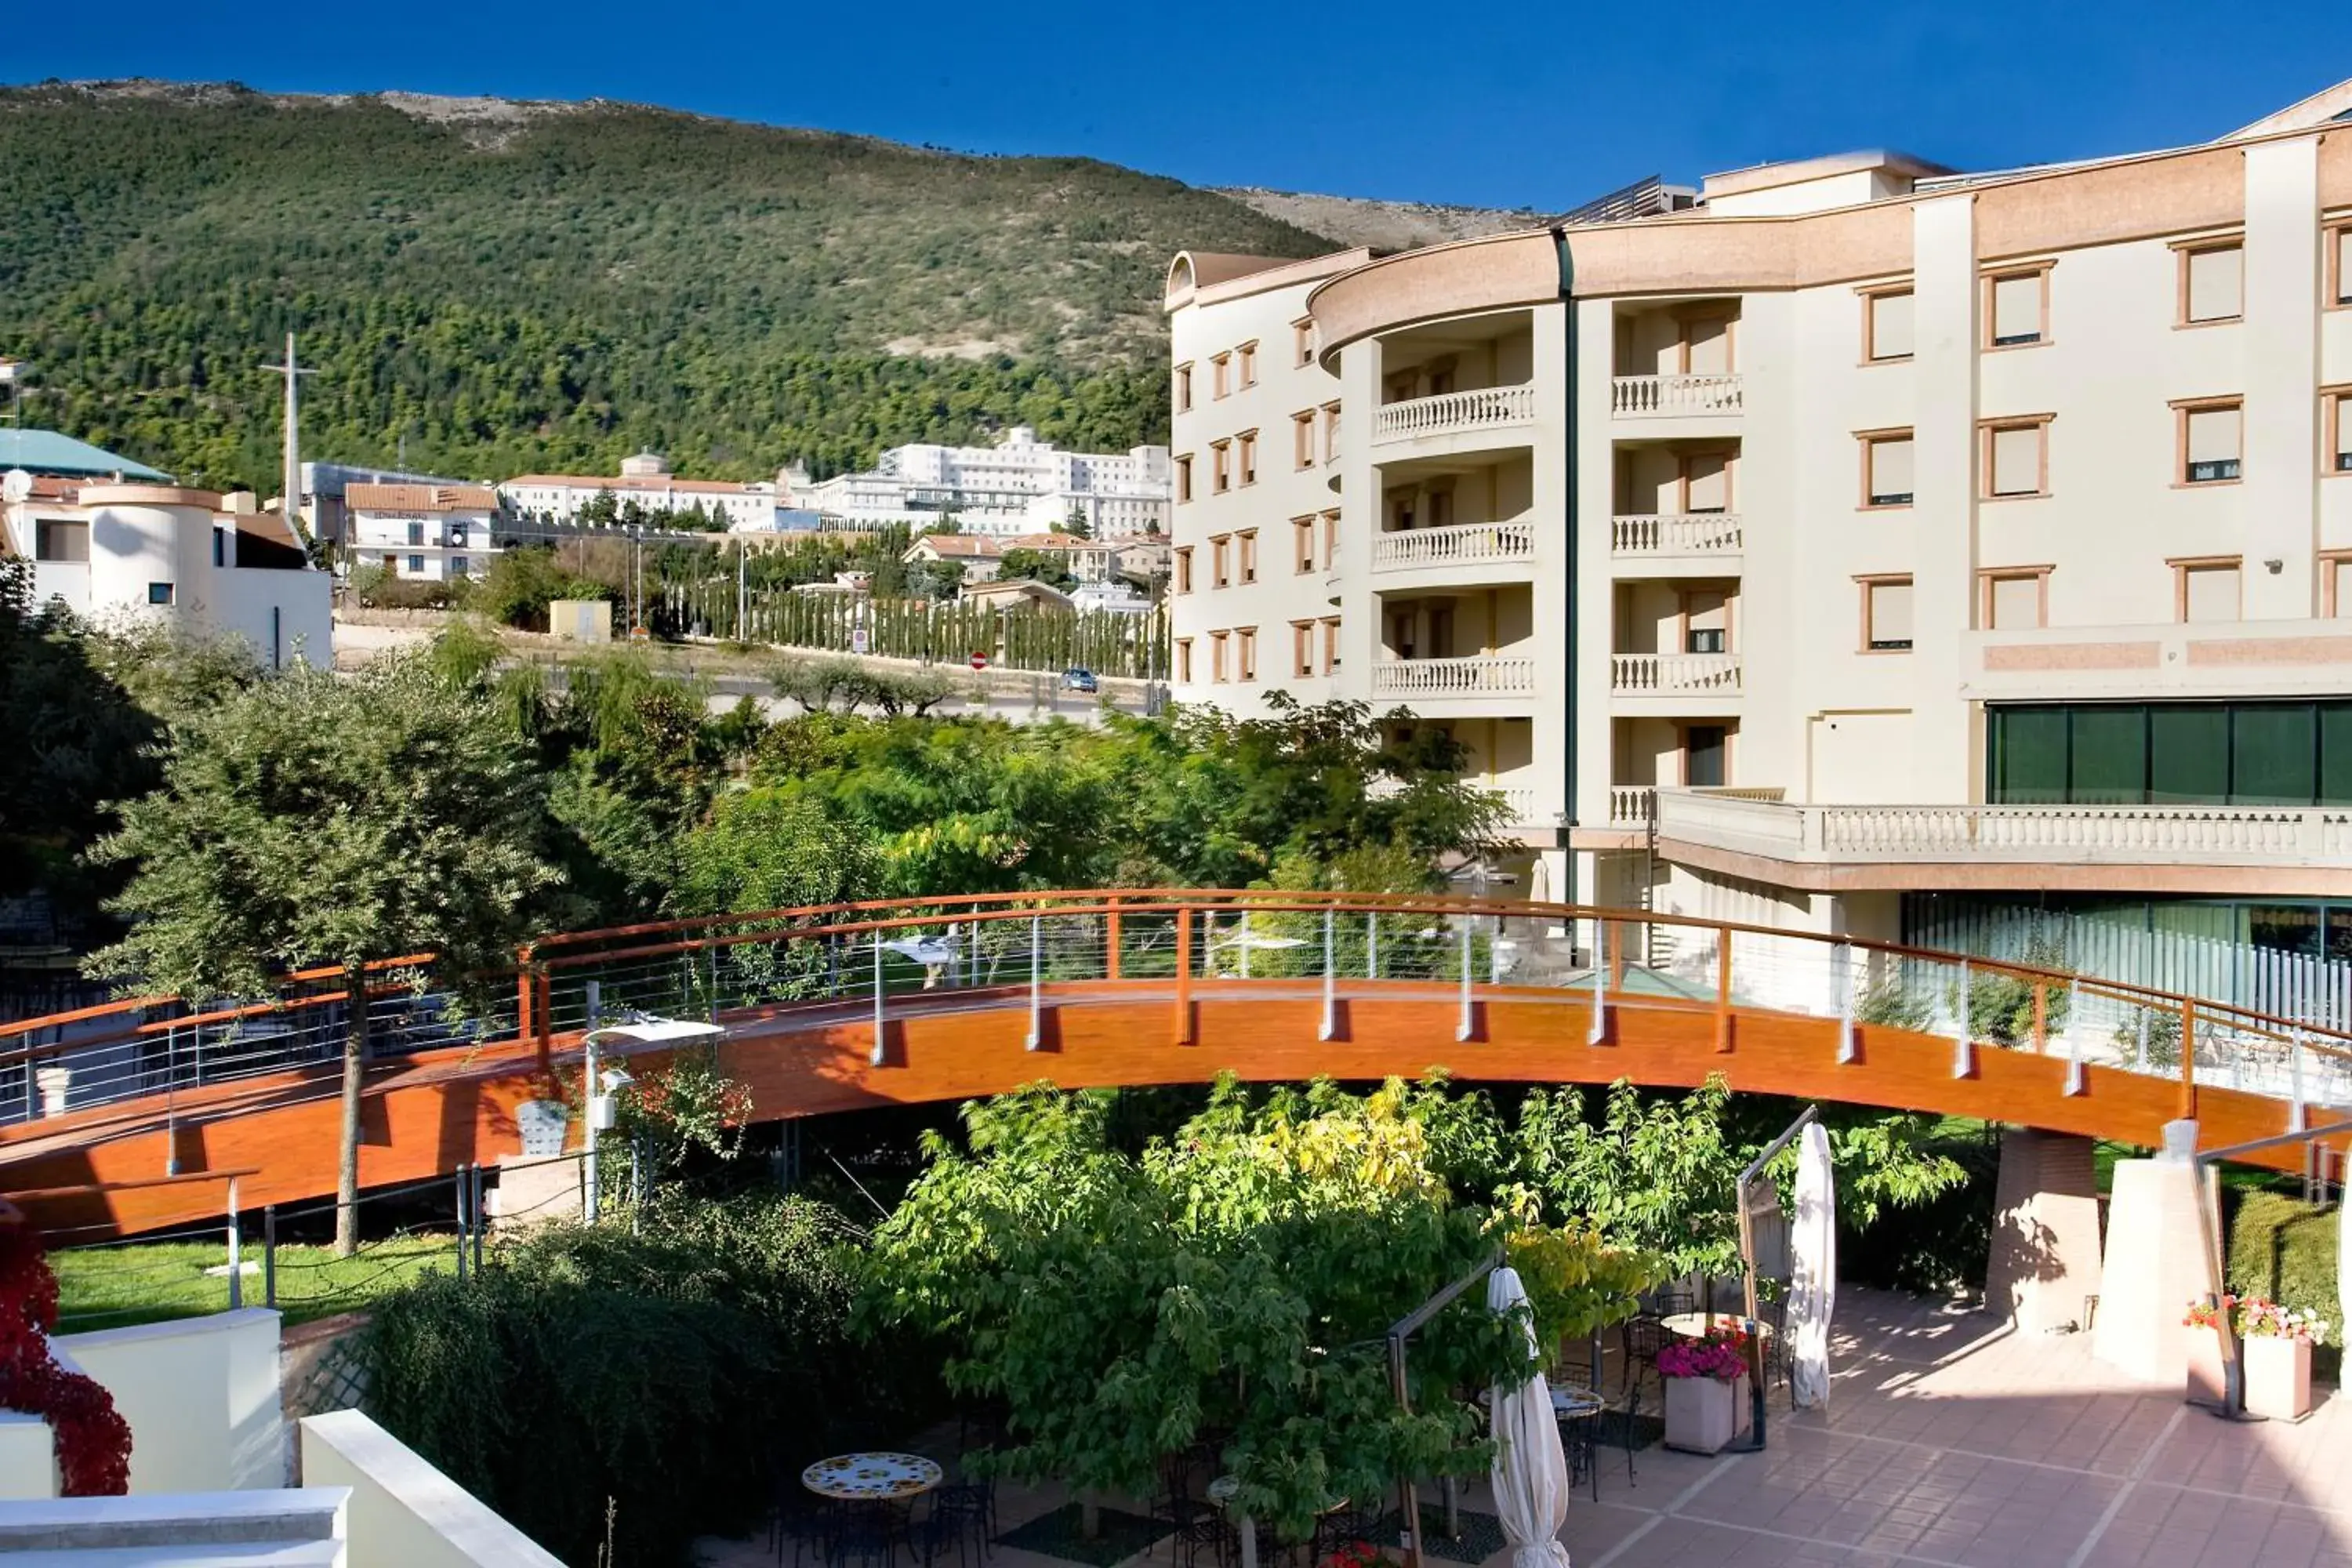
(1952, 1441)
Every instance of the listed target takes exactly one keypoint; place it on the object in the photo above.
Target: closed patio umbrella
(1530, 1473)
(1813, 1254)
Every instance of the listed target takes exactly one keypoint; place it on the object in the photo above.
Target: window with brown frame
(2338, 282)
(1184, 661)
(1302, 649)
(1184, 478)
(1220, 467)
(1221, 376)
(2336, 457)
(2017, 308)
(1247, 539)
(2336, 585)
(1885, 614)
(1330, 432)
(1331, 539)
(1887, 325)
(2210, 436)
(1182, 392)
(1247, 354)
(2205, 589)
(1183, 558)
(1248, 442)
(1220, 560)
(1331, 645)
(1302, 544)
(1885, 467)
(1217, 657)
(2013, 599)
(1245, 653)
(1302, 439)
(1302, 341)
(1705, 483)
(2016, 457)
(2212, 282)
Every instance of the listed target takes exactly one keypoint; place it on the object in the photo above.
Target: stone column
(2156, 1262)
(2046, 1233)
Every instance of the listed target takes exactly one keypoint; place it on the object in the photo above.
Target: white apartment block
(1019, 486)
(646, 479)
(1866, 542)
(109, 549)
(432, 533)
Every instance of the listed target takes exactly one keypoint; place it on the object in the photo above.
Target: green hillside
(530, 287)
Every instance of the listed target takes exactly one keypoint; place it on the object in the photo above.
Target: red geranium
(93, 1441)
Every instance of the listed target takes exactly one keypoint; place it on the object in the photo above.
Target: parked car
(1075, 680)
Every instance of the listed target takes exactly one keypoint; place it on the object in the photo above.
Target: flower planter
(2278, 1376)
(2204, 1367)
(1703, 1414)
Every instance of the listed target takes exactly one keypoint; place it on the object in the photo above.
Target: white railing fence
(1478, 409)
(1675, 533)
(1477, 677)
(1633, 396)
(1463, 543)
(1675, 674)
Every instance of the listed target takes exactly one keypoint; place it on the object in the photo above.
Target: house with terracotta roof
(431, 532)
(1090, 560)
(979, 555)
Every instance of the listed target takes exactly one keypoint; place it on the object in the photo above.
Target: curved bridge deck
(842, 1008)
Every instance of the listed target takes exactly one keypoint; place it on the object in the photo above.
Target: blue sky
(1515, 104)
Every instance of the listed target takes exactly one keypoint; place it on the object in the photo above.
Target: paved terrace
(1951, 1441)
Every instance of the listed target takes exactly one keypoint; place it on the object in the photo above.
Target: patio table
(872, 1478)
(1694, 1325)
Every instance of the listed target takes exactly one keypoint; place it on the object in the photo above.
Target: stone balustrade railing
(1474, 677)
(1465, 543)
(1637, 396)
(1449, 411)
(1676, 533)
(1675, 674)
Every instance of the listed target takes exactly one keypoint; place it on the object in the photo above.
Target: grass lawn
(113, 1287)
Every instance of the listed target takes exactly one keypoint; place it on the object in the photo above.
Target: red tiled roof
(420, 498)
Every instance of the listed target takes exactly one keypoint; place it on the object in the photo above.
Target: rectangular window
(1330, 540)
(417, 566)
(1182, 394)
(1330, 432)
(2339, 264)
(1302, 439)
(1703, 755)
(1184, 556)
(2206, 591)
(1886, 615)
(2187, 754)
(2017, 308)
(2013, 600)
(1247, 538)
(2026, 754)
(1247, 354)
(1886, 326)
(54, 539)
(2336, 458)
(1183, 662)
(1331, 646)
(2016, 459)
(1185, 478)
(220, 547)
(1248, 442)
(160, 593)
(2107, 756)
(1886, 468)
(2278, 753)
(1302, 341)
(1220, 560)
(1706, 621)
(1302, 649)
(2212, 284)
(2210, 436)
(1707, 483)
(1245, 653)
(459, 566)
(1217, 657)
(1220, 467)
(1221, 376)
(1302, 544)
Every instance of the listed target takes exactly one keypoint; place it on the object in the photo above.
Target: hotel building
(1869, 547)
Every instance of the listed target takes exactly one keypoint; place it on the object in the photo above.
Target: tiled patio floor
(1951, 1441)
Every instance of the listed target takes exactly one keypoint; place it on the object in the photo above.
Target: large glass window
(2170, 753)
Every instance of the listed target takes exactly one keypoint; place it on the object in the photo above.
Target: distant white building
(430, 533)
(1021, 485)
(646, 479)
(109, 537)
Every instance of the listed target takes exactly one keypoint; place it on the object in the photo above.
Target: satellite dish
(16, 485)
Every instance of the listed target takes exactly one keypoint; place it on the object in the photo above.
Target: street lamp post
(599, 1086)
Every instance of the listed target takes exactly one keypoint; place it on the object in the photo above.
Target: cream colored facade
(1626, 507)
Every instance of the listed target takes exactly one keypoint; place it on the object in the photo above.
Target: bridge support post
(1598, 1029)
(1723, 989)
(1843, 956)
(1372, 945)
(1110, 951)
(1330, 980)
(876, 1056)
(1461, 1022)
(2075, 1083)
(2295, 1111)
(1964, 1050)
(2155, 1260)
(1182, 1030)
(236, 1264)
(1036, 975)
(2045, 1262)
(591, 1188)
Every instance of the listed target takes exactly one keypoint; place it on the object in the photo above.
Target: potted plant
(2205, 1350)
(1706, 1389)
(2274, 1343)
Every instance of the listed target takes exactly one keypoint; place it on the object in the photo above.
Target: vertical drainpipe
(1568, 314)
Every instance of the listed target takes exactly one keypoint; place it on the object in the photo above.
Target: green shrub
(2285, 1248)
(1940, 1245)
(380, 588)
(673, 1372)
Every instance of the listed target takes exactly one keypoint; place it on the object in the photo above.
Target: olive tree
(317, 820)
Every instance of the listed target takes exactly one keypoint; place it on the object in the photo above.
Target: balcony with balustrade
(2281, 849)
(1673, 653)
(1456, 387)
(1678, 361)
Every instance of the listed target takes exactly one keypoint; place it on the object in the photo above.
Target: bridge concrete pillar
(2046, 1231)
(2156, 1262)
